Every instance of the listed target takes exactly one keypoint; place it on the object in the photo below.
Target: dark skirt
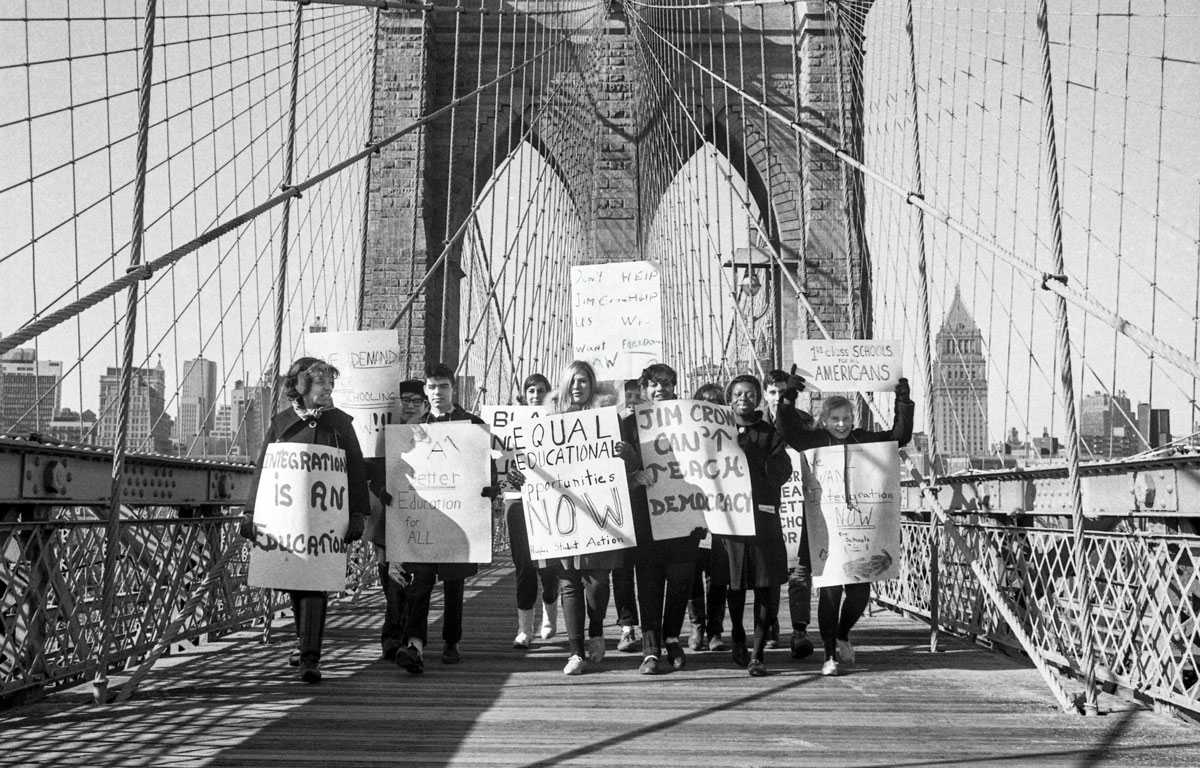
(744, 562)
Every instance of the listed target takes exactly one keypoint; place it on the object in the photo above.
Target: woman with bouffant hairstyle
(312, 418)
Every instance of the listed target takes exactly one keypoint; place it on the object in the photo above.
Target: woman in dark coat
(313, 419)
(758, 562)
(836, 427)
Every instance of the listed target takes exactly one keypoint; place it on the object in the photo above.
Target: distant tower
(960, 384)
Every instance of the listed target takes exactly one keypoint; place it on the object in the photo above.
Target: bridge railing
(1145, 610)
(51, 583)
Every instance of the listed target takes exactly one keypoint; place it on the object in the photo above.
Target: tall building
(30, 391)
(960, 384)
(197, 405)
(149, 425)
(250, 415)
(1108, 427)
(1154, 424)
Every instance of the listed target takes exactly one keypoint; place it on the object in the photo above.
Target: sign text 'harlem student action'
(301, 514)
(576, 496)
(435, 473)
(616, 311)
(697, 471)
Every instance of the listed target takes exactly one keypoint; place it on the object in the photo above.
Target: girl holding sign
(758, 562)
(311, 420)
(583, 579)
(835, 426)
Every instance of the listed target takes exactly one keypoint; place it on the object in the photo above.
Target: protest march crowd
(672, 507)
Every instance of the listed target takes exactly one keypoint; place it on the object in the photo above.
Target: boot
(549, 619)
(310, 627)
(524, 629)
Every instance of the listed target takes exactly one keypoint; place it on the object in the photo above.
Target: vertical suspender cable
(113, 529)
(366, 206)
(927, 354)
(1087, 660)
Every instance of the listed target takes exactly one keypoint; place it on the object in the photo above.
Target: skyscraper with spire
(960, 384)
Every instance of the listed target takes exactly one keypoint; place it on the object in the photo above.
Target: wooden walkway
(235, 702)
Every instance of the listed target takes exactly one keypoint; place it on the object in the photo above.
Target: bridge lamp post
(745, 267)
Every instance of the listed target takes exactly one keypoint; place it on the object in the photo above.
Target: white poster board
(862, 365)
(791, 508)
(617, 316)
(576, 495)
(853, 540)
(699, 477)
(368, 385)
(435, 474)
(301, 513)
(507, 425)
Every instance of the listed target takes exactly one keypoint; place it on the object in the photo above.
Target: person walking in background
(313, 419)
(706, 608)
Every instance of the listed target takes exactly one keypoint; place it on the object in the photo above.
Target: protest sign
(435, 473)
(301, 513)
(617, 316)
(698, 473)
(853, 537)
(576, 496)
(507, 424)
(791, 508)
(860, 365)
(368, 385)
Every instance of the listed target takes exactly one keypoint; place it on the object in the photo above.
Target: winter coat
(746, 562)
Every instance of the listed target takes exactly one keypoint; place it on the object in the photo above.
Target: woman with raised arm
(840, 607)
(312, 418)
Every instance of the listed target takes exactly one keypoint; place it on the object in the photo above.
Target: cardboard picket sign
(576, 496)
(857, 365)
(853, 537)
(616, 313)
(791, 508)
(368, 387)
(301, 513)
(507, 424)
(699, 476)
(435, 473)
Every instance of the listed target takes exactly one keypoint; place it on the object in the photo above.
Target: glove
(355, 531)
(490, 491)
(699, 532)
(795, 385)
(246, 527)
(902, 390)
(516, 478)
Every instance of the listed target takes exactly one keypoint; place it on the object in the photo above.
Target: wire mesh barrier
(51, 580)
(1145, 607)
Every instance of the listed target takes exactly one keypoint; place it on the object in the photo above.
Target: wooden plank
(236, 702)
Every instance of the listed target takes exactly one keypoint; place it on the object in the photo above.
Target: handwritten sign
(576, 494)
(791, 509)
(848, 366)
(435, 473)
(301, 513)
(617, 317)
(698, 472)
(508, 424)
(368, 387)
(853, 537)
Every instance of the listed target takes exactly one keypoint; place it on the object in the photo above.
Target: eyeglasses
(411, 400)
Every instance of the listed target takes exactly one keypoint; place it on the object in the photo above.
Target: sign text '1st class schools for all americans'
(848, 366)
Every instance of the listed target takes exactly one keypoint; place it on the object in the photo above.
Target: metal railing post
(112, 538)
